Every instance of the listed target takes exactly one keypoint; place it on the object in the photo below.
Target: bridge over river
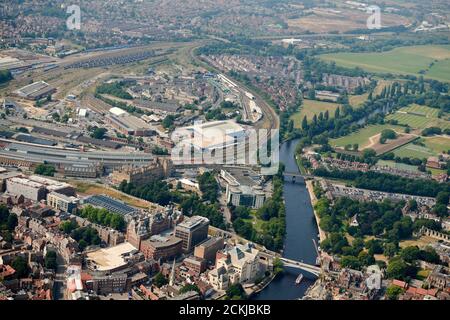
(294, 176)
(315, 270)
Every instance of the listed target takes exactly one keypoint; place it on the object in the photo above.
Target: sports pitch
(419, 117)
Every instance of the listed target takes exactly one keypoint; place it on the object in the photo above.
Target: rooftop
(110, 258)
(110, 204)
(192, 222)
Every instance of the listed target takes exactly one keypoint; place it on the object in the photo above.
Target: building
(128, 124)
(189, 185)
(433, 162)
(161, 247)
(29, 189)
(112, 259)
(110, 204)
(62, 202)
(348, 83)
(238, 264)
(5, 175)
(114, 283)
(243, 188)
(327, 95)
(192, 231)
(196, 265)
(36, 91)
(82, 171)
(208, 249)
(147, 225)
(108, 235)
(139, 175)
(206, 138)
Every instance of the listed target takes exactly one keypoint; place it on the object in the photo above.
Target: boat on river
(299, 279)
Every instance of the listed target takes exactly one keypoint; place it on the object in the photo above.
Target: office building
(192, 231)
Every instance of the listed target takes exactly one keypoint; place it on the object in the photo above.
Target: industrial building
(210, 138)
(36, 188)
(36, 91)
(192, 231)
(128, 124)
(82, 170)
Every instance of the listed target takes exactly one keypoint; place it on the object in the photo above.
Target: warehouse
(36, 91)
(128, 124)
(30, 139)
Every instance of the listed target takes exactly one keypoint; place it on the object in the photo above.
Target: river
(301, 228)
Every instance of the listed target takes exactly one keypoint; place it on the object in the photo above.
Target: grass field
(438, 144)
(356, 101)
(396, 165)
(403, 60)
(362, 136)
(414, 151)
(433, 147)
(255, 221)
(311, 108)
(419, 117)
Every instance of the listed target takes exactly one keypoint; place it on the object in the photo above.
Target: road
(59, 285)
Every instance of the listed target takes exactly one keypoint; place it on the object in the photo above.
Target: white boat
(299, 279)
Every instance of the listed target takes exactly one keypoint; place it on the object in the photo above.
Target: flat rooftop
(111, 258)
(244, 177)
(213, 134)
(193, 222)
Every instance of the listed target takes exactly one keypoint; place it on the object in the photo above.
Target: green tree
(98, 133)
(45, 170)
(392, 292)
(399, 269)
(236, 292)
(390, 249)
(304, 123)
(410, 254)
(50, 260)
(159, 280)
(21, 266)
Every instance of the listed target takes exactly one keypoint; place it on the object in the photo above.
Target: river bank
(310, 188)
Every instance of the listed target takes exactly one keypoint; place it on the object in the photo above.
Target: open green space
(414, 151)
(255, 221)
(361, 137)
(432, 147)
(438, 144)
(396, 165)
(311, 108)
(433, 61)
